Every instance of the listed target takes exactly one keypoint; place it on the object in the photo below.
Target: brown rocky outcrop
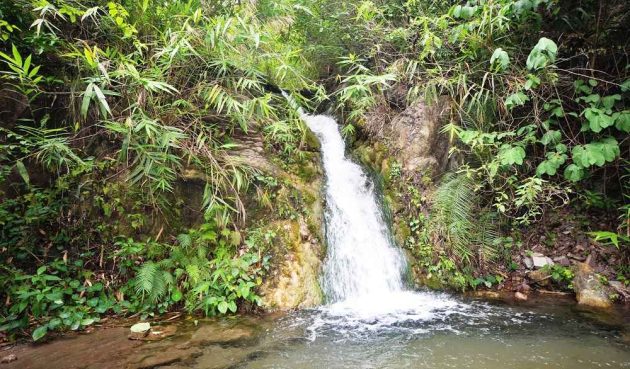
(589, 290)
(413, 136)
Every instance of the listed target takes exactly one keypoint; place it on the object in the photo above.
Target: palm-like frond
(456, 221)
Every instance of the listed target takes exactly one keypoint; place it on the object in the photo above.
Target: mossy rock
(296, 262)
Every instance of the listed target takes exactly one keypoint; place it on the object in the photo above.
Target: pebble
(519, 296)
(8, 359)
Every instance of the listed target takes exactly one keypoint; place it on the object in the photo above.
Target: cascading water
(363, 271)
(362, 260)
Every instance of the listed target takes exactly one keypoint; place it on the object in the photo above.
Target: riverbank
(274, 340)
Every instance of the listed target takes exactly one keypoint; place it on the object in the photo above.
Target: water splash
(362, 260)
(363, 271)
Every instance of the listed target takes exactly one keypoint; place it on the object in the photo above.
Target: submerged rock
(519, 296)
(589, 290)
(166, 356)
(8, 359)
(217, 333)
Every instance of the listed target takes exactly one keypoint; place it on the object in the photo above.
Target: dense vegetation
(539, 90)
(107, 106)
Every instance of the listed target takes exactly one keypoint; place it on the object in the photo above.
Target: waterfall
(362, 259)
(362, 274)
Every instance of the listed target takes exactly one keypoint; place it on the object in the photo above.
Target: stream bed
(440, 331)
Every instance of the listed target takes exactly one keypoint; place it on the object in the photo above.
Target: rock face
(414, 137)
(297, 249)
(294, 282)
(589, 291)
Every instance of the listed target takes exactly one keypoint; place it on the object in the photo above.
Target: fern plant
(455, 223)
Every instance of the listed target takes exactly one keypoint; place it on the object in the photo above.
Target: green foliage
(457, 223)
(202, 271)
(115, 103)
(55, 297)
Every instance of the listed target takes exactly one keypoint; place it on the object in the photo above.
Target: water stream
(370, 320)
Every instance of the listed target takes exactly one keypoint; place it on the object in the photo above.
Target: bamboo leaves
(94, 93)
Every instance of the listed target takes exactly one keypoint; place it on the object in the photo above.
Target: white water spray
(362, 260)
(363, 271)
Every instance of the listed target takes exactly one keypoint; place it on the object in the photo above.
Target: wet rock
(219, 333)
(589, 291)
(562, 260)
(540, 277)
(295, 281)
(155, 333)
(8, 359)
(165, 357)
(414, 135)
(518, 296)
(491, 295)
(621, 289)
(139, 331)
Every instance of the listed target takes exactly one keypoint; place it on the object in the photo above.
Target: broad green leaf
(622, 120)
(596, 153)
(509, 155)
(551, 165)
(22, 171)
(598, 119)
(532, 82)
(27, 65)
(17, 58)
(543, 54)
(551, 137)
(609, 101)
(39, 332)
(222, 307)
(500, 59)
(102, 101)
(87, 97)
(516, 99)
(573, 173)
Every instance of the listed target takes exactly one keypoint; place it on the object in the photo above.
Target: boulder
(540, 260)
(294, 281)
(589, 290)
(413, 136)
(540, 277)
